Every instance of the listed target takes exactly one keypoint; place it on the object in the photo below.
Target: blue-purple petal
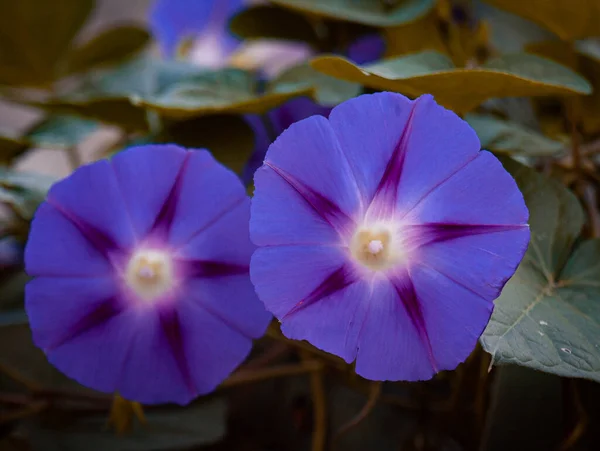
(92, 324)
(146, 175)
(390, 346)
(172, 21)
(367, 49)
(208, 191)
(459, 220)
(56, 247)
(92, 199)
(307, 157)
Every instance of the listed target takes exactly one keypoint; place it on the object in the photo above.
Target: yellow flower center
(150, 273)
(376, 247)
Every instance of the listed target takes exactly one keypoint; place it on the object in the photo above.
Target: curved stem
(319, 400)
(374, 395)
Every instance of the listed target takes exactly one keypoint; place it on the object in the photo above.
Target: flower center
(376, 247)
(150, 273)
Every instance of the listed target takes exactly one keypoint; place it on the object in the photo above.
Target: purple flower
(367, 49)
(141, 275)
(280, 118)
(385, 234)
(173, 21)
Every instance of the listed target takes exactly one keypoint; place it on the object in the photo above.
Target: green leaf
(12, 281)
(61, 131)
(109, 47)
(54, 131)
(35, 38)
(584, 57)
(511, 137)
(212, 92)
(118, 110)
(167, 428)
(459, 89)
(326, 90)
(367, 12)
(423, 34)
(548, 316)
(589, 47)
(265, 21)
(569, 19)
(229, 138)
(173, 90)
(23, 191)
(509, 33)
(11, 147)
(15, 316)
(109, 96)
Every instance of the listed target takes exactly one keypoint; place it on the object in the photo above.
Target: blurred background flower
(197, 31)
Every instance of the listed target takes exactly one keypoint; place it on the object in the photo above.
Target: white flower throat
(377, 246)
(150, 273)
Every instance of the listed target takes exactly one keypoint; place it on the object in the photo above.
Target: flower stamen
(150, 273)
(376, 247)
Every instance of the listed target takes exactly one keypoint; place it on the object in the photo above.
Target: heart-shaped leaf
(459, 89)
(35, 38)
(589, 47)
(61, 131)
(107, 48)
(211, 92)
(11, 147)
(584, 57)
(23, 191)
(266, 21)
(164, 429)
(548, 316)
(326, 90)
(420, 35)
(569, 19)
(511, 137)
(174, 90)
(229, 138)
(367, 12)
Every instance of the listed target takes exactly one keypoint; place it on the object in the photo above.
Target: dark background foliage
(81, 80)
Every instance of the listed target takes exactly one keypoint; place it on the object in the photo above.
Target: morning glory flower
(367, 49)
(205, 21)
(204, 25)
(385, 234)
(141, 281)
